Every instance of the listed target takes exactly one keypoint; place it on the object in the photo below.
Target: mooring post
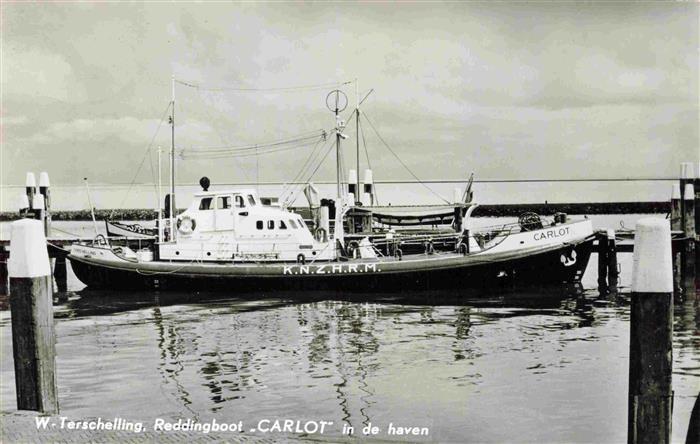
(38, 209)
(696, 184)
(693, 435)
(612, 261)
(44, 191)
(60, 273)
(687, 176)
(30, 188)
(689, 231)
(3, 271)
(676, 215)
(651, 328)
(602, 263)
(31, 308)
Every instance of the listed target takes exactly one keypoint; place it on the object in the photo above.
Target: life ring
(429, 248)
(320, 235)
(301, 259)
(186, 225)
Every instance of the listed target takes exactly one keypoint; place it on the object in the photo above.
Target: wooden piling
(689, 231)
(602, 263)
(60, 274)
(3, 272)
(38, 209)
(612, 261)
(30, 188)
(31, 307)
(696, 184)
(687, 176)
(651, 327)
(24, 205)
(44, 191)
(693, 435)
(676, 215)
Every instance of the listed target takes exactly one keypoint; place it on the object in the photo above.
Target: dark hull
(533, 269)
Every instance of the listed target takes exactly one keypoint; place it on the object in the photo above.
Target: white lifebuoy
(186, 225)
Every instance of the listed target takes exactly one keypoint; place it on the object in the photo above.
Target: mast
(337, 157)
(357, 139)
(160, 202)
(337, 101)
(172, 162)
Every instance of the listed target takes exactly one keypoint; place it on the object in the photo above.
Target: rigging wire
(288, 188)
(138, 170)
(221, 135)
(298, 183)
(281, 89)
(329, 148)
(401, 161)
(256, 151)
(255, 146)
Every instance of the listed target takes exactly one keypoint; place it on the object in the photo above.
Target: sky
(511, 90)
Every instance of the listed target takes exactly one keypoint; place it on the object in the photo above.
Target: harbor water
(536, 365)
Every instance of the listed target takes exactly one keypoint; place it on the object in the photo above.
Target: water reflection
(432, 356)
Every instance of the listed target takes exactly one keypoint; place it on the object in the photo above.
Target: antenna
(337, 101)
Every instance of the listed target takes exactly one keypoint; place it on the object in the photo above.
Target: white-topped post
(38, 209)
(687, 176)
(30, 188)
(651, 331)
(689, 229)
(44, 190)
(369, 185)
(676, 215)
(612, 261)
(31, 305)
(352, 184)
(24, 206)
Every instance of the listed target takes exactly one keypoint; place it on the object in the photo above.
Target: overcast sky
(507, 90)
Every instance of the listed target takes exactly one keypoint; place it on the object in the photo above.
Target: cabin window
(270, 224)
(205, 204)
(283, 226)
(224, 202)
(251, 200)
(240, 203)
(259, 225)
(291, 222)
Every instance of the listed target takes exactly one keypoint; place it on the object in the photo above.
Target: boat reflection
(88, 302)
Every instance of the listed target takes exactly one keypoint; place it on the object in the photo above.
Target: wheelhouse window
(291, 222)
(251, 200)
(206, 203)
(223, 202)
(240, 203)
(270, 224)
(283, 226)
(259, 225)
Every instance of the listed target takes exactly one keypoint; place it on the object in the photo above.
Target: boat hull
(563, 263)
